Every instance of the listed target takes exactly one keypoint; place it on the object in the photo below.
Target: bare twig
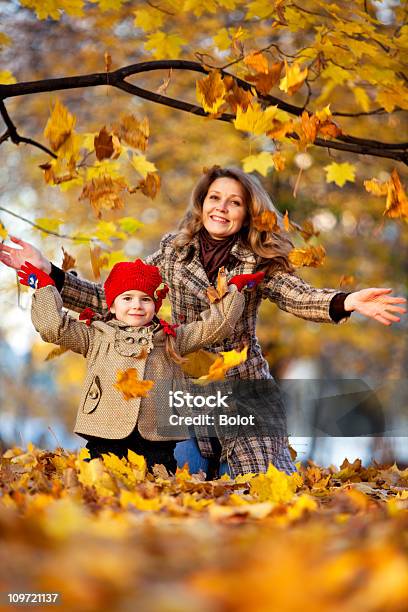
(12, 134)
(43, 229)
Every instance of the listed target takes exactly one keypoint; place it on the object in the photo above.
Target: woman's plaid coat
(183, 272)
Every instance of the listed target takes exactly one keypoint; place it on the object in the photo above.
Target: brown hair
(272, 247)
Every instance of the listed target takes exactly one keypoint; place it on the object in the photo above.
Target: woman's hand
(15, 258)
(375, 303)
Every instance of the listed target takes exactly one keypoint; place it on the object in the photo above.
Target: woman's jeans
(189, 452)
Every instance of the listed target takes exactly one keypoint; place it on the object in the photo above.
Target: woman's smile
(224, 208)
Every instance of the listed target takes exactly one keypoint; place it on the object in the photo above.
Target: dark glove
(247, 280)
(33, 277)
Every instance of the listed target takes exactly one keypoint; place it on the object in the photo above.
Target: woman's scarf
(215, 253)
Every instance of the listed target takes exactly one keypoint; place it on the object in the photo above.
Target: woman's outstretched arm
(294, 295)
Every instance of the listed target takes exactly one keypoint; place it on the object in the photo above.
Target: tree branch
(12, 133)
(360, 146)
(43, 229)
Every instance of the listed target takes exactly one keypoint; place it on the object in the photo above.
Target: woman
(217, 230)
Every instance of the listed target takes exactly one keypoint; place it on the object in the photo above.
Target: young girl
(131, 337)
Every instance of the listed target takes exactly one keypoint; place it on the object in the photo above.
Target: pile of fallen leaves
(107, 534)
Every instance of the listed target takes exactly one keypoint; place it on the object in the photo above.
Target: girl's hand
(33, 277)
(375, 303)
(247, 280)
(15, 258)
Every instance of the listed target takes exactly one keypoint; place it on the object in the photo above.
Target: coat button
(143, 341)
(93, 394)
(129, 340)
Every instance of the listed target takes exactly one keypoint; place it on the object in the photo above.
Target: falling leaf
(68, 262)
(103, 144)
(108, 62)
(198, 363)
(254, 119)
(142, 165)
(130, 385)
(312, 256)
(307, 231)
(98, 261)
(210, 92)
(306, 128)
(228, 360)
(59, 126)
(293, 79)
(262, 163)
(397, 202)
(376, 187)
(215, 294)
(56, 352)
(266, 222)
(340, 173)
(133, 131)
(162, 89)
(104, 192)
(3, 231)
(149, 186)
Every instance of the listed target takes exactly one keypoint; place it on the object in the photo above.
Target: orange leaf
(266, 222)
(103, 192)
(68, 262)
(97, 261)
(312, 256)
(130, 385)
(214, 294)
(134, 132)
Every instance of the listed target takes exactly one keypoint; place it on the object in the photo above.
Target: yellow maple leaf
(138, 463)
(6, 77)
(130, 385)
(254, 119)
(149, 19)
(340, 173)
(142, 165)
(54, 8)
(165, 46)
(262, 163)
(3, 231)
(59, 126)
(312, 256)
(236, 96)
(293, 79)
(198, 363)
(274, 485)
(49, 224)
(376, 187)
(228, 359)
(109, 5)
(210, 92)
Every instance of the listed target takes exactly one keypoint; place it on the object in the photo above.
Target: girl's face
(133, 307)
(224, 208)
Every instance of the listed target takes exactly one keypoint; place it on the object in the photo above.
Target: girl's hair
(272, 247)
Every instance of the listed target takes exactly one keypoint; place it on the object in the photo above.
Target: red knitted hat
(128, 275)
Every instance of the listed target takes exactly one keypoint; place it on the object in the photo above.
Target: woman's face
(224, 208)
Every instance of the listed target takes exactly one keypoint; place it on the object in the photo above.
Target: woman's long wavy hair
(272, 247)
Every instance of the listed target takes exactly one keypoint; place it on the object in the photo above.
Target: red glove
(247, 280)
(33, 277)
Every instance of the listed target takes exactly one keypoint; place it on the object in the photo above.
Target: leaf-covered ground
(108, 536)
